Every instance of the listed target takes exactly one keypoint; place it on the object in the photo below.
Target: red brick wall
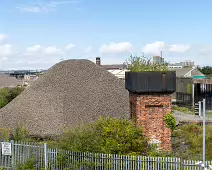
(149, 112)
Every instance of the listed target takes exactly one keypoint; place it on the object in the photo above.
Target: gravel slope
(7, 81)
(70, 93)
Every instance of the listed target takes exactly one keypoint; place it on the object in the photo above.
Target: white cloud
(6, 51)
(34, 9)
(44, 7)
(69, 47)
(206, 49)
(179, 48)
(88, 49)
(53, 51)
(3, 38)
(153, 48)
(36, 49)
(39, 51)
(120, 47)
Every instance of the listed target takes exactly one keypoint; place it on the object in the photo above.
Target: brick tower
(150, 101)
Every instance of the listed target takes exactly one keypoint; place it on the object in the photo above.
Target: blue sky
(38, 33)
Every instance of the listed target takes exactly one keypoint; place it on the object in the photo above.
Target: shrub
(21, 133)
(170, 121)
(28, 165)
(5, 134)
(189, 88)
(107, 135)
(140, 64)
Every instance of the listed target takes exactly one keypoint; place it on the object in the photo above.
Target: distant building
(187, 72)
(175, 65)
(183, 64)
(158, 60)
(183, 69)
(187, 63)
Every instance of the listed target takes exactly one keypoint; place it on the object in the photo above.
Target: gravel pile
(69, 93)
(8, 81)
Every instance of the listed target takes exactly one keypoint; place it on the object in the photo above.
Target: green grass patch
(187, 142)
(183, 109)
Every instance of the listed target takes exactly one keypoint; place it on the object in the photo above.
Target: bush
(21, 133)
(5, 134)
(107, 135)
(189, 88)
(170, 121)
(140, 64)
(28, 165)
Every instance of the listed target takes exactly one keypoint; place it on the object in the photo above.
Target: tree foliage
(142, 63)
(107, 135)
(207, 70)
(8, 94)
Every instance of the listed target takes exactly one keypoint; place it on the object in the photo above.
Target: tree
(207, 70)
(141, 64)
(8, 94)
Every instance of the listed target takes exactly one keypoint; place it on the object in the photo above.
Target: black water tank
(151, 82)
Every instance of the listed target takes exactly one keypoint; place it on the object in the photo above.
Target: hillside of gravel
(7, 81)
(70, 93)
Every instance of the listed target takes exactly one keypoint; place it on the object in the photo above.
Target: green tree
(142, 63)
(8, 94)
(207, 70)
(4, 97)
(107, 135)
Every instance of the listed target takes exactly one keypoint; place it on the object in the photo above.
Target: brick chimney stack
(150, 101)
(98, 61)
(149, 111)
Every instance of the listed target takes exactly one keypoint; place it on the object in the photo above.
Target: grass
(187, 142)
(209, 114)
(183, 110)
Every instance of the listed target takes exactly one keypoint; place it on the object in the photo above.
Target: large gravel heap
(7, 81)
(69, 93)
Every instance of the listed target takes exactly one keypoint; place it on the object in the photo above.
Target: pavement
(188, 118)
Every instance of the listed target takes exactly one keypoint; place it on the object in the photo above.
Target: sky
(36, 34)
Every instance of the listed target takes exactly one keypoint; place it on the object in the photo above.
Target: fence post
(13, 154)
(45, 156)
